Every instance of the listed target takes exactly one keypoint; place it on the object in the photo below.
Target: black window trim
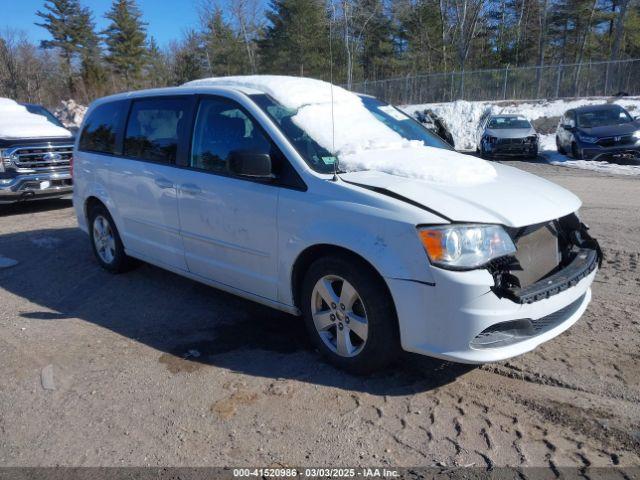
(297, 184)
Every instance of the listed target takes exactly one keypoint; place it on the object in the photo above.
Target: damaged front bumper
(471, 317)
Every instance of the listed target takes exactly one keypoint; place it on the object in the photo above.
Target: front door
(228, 224)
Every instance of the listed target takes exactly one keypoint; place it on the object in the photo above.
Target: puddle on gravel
(279, 334)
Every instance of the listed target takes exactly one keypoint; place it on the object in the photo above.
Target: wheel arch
(312, 253)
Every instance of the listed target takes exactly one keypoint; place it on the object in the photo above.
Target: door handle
(163, 182)
(190, 189)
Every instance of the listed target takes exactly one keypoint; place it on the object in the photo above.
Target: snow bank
(70, 113)
(360, 140)
(462, 117)
(17, 122)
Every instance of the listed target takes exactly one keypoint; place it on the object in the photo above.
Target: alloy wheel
(339, 316)
(104, 239)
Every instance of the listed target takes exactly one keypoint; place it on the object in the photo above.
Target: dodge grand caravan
(338, 208)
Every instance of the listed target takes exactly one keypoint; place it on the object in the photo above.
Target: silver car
(511, 135)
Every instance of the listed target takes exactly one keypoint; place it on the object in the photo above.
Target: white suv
(338, 208)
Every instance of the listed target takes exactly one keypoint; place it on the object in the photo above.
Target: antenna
(333, 125)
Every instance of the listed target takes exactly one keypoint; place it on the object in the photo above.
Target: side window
(221, 129)
(100, 130)
(154, 128)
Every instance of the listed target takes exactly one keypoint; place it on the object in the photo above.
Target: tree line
(346, 40)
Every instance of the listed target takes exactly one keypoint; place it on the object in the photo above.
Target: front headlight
(636, 134)
(587, 138)
(464, 247)
(2, 157)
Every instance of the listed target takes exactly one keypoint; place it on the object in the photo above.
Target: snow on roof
(338, 121)
(17, 122)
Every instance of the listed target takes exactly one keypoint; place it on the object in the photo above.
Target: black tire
(533, 155)
(561, 150)
(121, 262)
(483, 153)
(382, 345)
(575, 152)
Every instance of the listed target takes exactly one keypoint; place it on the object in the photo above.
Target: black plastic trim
(585, 262)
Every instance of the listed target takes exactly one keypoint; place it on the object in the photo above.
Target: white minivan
(338, 208)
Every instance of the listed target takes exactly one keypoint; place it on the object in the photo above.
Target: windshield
(603, 117)
(321, 159)
(39, 110)
(498, 123)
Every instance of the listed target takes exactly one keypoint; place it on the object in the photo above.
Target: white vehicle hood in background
(17, 122)
(513, 198)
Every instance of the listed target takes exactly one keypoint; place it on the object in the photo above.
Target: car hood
(611, 130)
(513, 198)
(510, 132)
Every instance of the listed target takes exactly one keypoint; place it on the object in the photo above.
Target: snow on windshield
(361, 141)
(17, 122)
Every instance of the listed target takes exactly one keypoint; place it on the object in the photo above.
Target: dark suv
(598, 132)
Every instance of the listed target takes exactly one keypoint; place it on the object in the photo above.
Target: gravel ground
(149, 368)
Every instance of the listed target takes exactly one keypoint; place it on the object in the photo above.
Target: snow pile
(17, 122)
(70, 113)
(462, 117)
(360, 140)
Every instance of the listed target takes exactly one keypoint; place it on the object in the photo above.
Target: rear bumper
(451, 319)
(35, 186)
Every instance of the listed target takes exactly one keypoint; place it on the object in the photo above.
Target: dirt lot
(149, 368)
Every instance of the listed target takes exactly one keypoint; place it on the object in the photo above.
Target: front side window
(154, 129)
(100, 130)
(222, 128)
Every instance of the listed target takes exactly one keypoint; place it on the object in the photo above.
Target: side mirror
(567, 127)
(636, 118)
(251, 165)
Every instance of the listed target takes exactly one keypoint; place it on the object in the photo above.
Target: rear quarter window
(101, 128)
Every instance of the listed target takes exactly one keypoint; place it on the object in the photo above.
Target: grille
(49, 157)
(615, 141)
(511, 141)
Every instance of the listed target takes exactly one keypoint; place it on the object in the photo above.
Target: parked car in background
(598, 132)
(35, 153)
(373, 230)
(511, 135)
(432, 122)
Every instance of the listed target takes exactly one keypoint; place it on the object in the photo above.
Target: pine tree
(63, 20)
(188, 59)
(92, 70)
(223, 49)
(376, 33)
(157, 70)
(126, 41)
(296, 41)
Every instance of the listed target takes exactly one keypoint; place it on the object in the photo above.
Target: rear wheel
(561, 150)
(106, 242)
(350, 315)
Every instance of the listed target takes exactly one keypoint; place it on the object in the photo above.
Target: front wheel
(350, 315)
(575, 152)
